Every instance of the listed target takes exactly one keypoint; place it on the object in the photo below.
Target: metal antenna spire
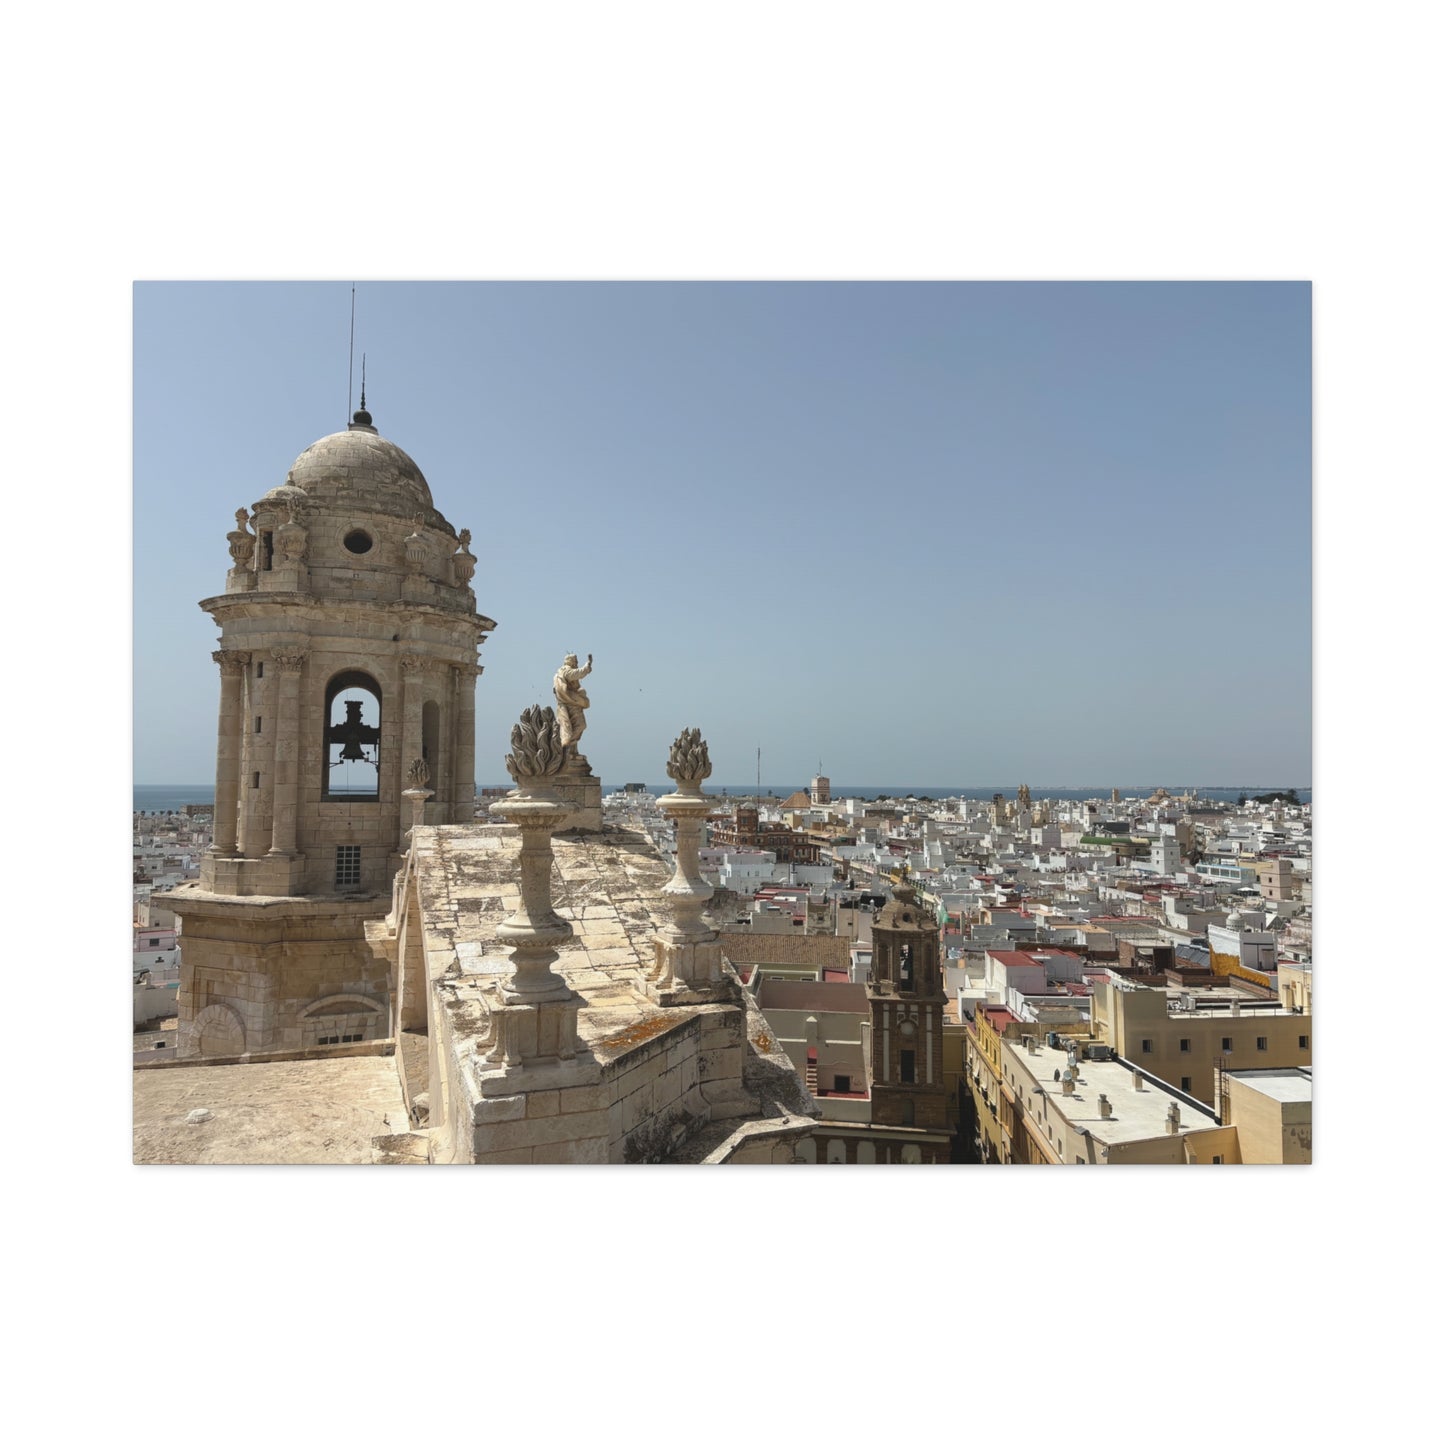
(351, 353)
(363, 381)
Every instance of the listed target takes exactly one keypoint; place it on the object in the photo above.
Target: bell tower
(905, 1005)
(348, 654)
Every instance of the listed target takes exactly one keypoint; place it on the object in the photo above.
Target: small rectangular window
(255, 780)
(267, 550)
(905, 1066)
(1147, 1045)
(1261, 1044)
(1187, 1084)
(1218, 1159)
(1227, 1044)
(260, 669)
(348, 865)
(258, 724)
(1184, 1046)
(1304, 1041)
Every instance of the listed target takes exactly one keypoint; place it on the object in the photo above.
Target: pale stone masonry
(646, 1082)
(344, 579)
(377, 976)
(278, 1111)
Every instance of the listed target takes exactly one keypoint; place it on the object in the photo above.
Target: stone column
(464, 774)
(413, 674)
(228, 750)
(688, 956)
(287, 735)
(537, 1022)
(256, 758)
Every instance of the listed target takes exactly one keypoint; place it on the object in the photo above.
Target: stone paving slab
(305, 1111)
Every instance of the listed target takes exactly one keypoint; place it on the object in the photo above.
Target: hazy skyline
(925, 533)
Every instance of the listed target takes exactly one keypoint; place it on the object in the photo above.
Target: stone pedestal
(416, 797)
(687, 973)
(528, 1034)
(535, 1019)
(581, 791)
(687, 965)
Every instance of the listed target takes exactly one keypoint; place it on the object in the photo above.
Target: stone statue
(418, 774)
(571, 700)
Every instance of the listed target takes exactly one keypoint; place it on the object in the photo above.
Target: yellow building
(1271, 1112)
(1296, 987)
(1041, 1097)
(1183, 1038)
(1055, 1106)
(981, 1056)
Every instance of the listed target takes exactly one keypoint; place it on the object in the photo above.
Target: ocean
(172, 797)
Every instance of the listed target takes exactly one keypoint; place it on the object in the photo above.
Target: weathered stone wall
(656, 1096)
(286, 977)
(812, 951)
(635, 1110)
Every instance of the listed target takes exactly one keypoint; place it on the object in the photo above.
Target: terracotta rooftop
(1018, 958)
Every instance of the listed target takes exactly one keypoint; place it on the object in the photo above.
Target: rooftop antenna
(351, 354)
(363, 381)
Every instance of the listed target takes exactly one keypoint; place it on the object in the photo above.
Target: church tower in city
(348, 668)
(905, 1006)
(820, 791)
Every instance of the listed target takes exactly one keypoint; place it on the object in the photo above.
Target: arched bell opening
(351, 739)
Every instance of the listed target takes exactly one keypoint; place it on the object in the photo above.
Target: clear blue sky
(926, 533)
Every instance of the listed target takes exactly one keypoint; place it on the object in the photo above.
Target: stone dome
(360, 468)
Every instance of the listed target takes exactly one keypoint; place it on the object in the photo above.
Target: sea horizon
(173, 797)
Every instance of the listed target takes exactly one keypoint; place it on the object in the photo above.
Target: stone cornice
(307, 608)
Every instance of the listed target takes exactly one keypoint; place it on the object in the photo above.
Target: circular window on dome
(357, 541)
